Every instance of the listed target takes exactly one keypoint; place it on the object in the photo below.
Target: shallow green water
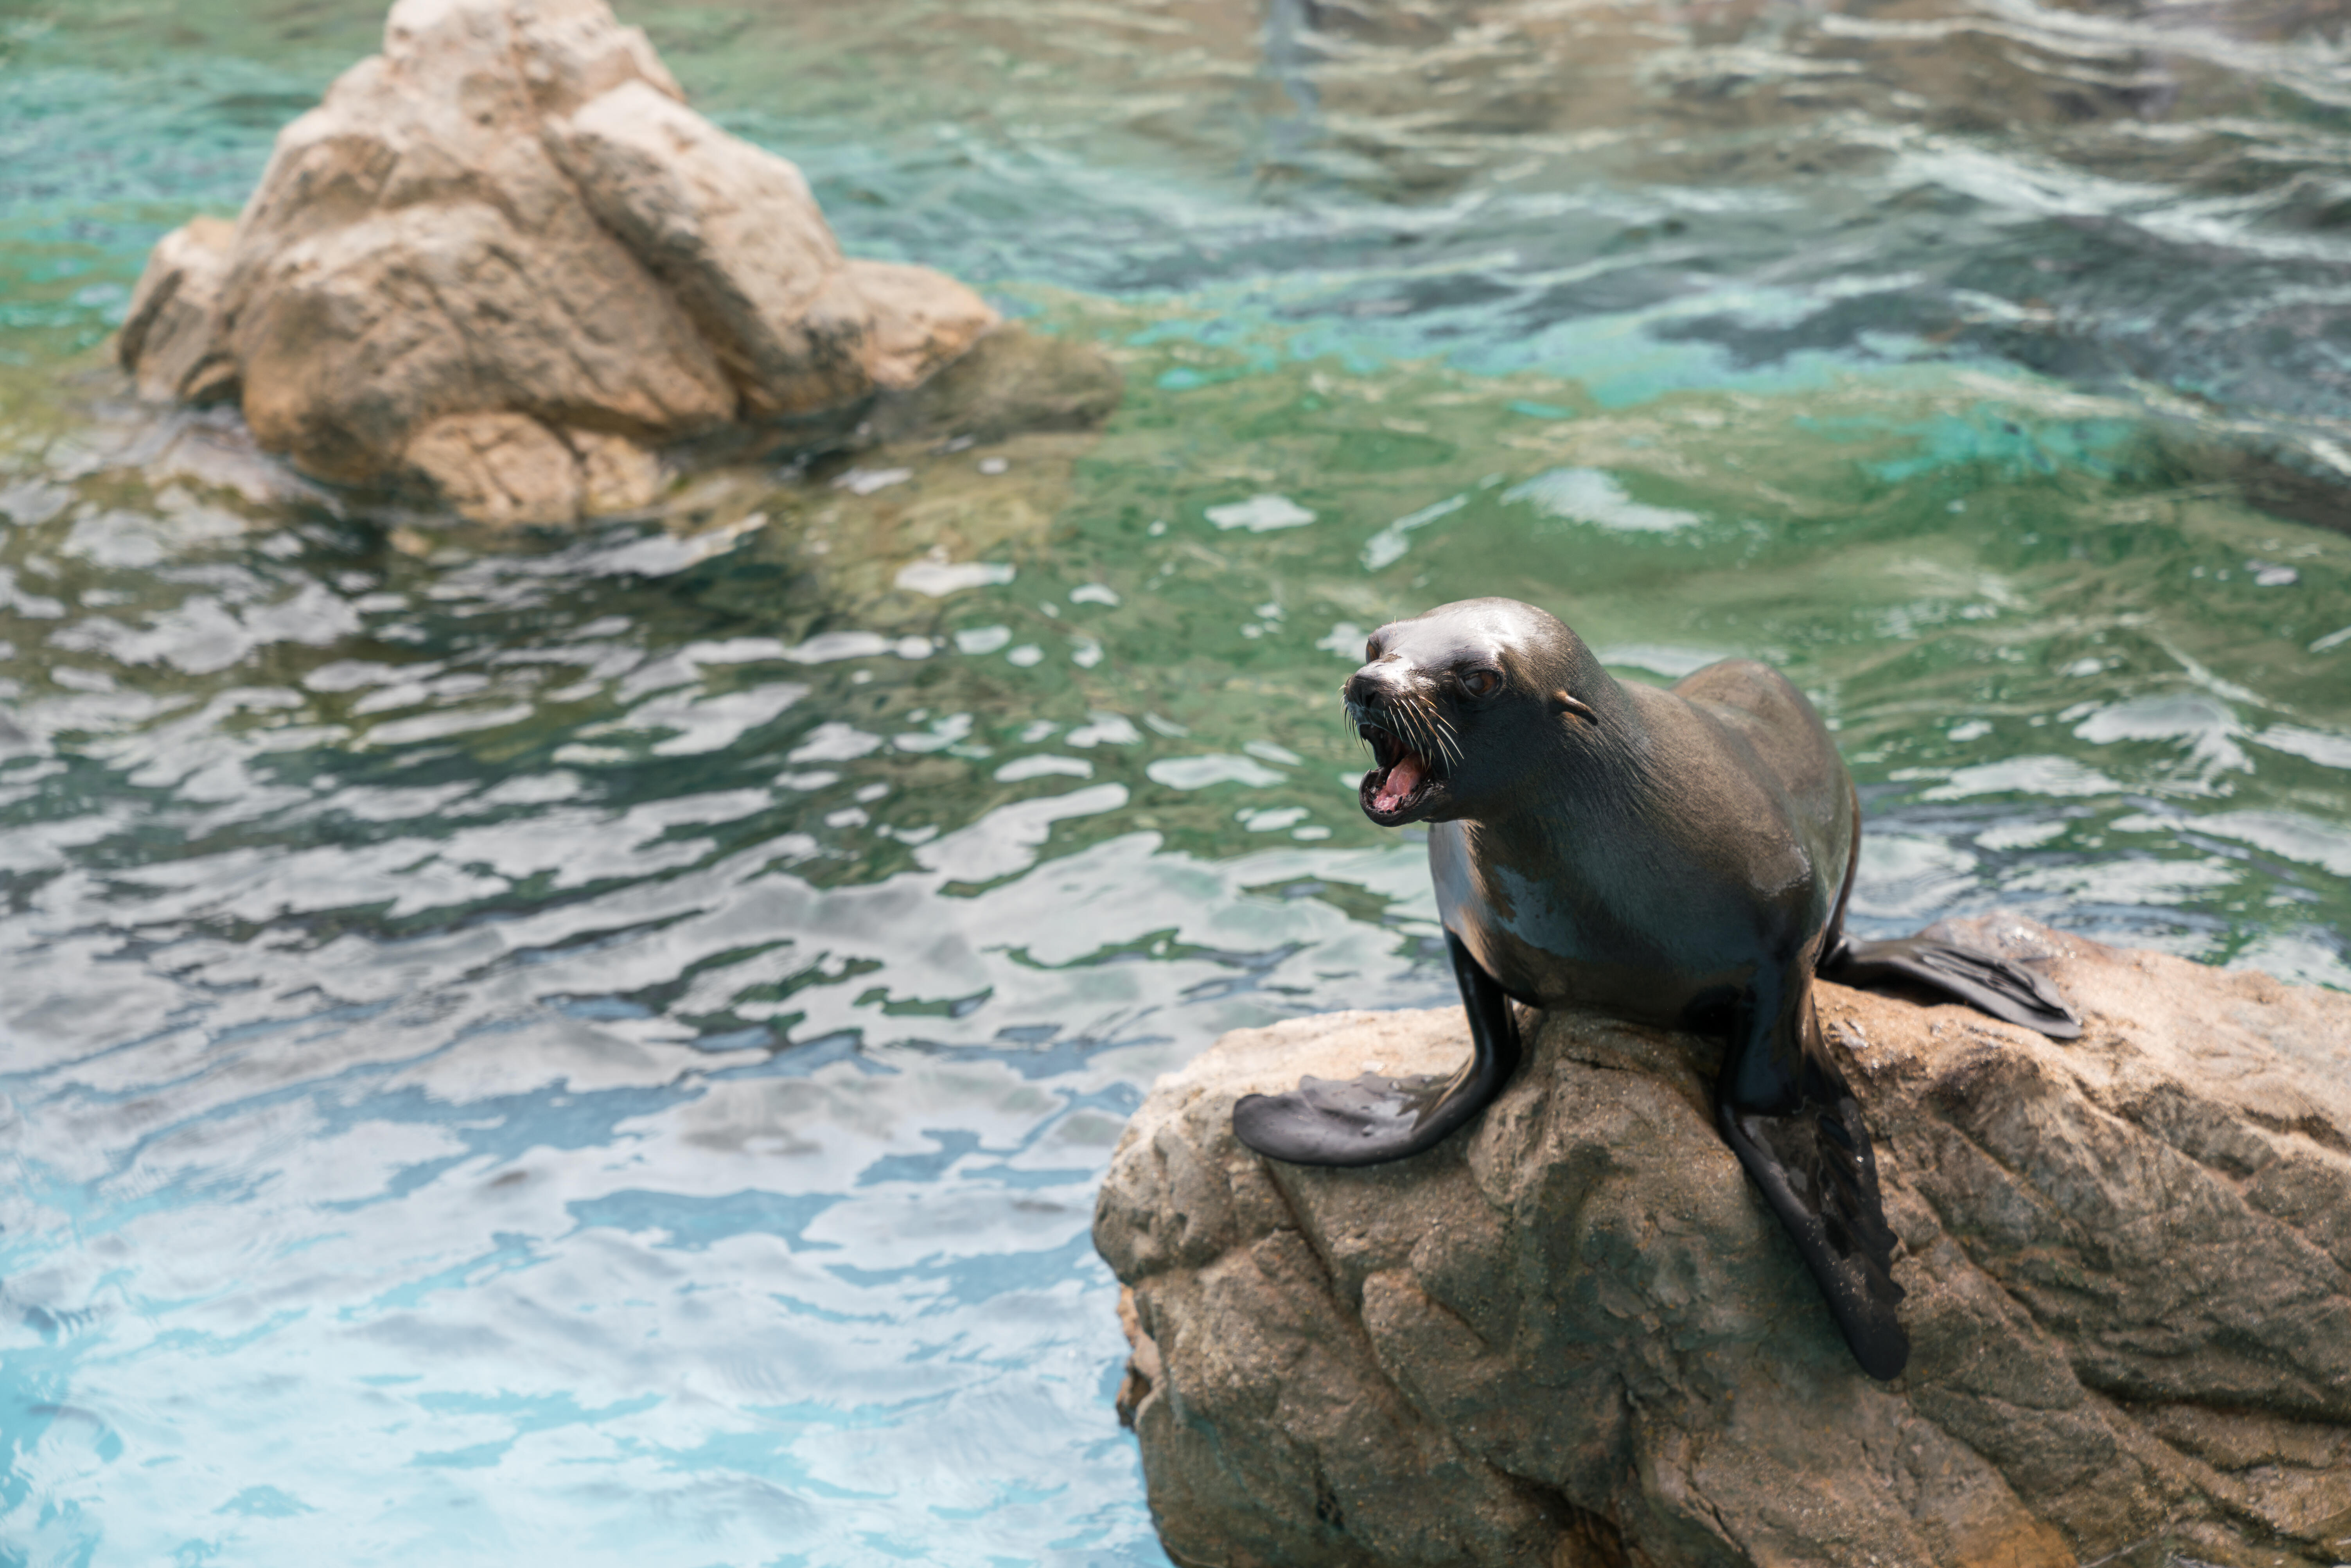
(604, 1045)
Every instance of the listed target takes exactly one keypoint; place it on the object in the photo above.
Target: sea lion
(1679, 858)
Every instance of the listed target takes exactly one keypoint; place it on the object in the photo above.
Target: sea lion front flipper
(1372, 1119)
(1788, 1115)
(1989, 984)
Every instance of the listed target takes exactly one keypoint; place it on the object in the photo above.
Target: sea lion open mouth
(1402, 783)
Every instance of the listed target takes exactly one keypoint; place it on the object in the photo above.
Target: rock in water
(1574, 1334)
(503, 259)
(171, 338)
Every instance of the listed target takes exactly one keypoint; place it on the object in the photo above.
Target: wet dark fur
(1676, 857)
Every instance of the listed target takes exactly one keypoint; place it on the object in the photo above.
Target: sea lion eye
(1480, 683)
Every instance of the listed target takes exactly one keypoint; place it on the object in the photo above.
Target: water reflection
(602, 1043)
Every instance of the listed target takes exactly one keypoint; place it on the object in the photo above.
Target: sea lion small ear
(1565, 703)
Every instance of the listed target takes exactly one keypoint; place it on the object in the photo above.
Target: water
(601, 1046)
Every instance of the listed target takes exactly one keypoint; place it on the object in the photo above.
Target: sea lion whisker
(1421, 734)
(1421, 730)
(1439, 730)
(1446, 737)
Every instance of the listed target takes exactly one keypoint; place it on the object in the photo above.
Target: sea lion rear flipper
(1372, 1119)
(1827, 1200)
(1989, 984)
(1786, 1112)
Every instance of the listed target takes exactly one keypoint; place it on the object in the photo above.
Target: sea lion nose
(1375, 682)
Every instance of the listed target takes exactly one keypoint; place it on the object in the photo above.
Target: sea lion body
(1722, 841)
(1679, 858)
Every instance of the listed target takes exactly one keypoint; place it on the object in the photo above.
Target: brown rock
(616, 475)
(499, 467)
(735, 233)
(413, 251)
(922, 321)
(353, 340)
(511, 212)
(172, 337)
(1574, 1334)
(510, 469)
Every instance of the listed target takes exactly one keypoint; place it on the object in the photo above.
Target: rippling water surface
(599, 1048)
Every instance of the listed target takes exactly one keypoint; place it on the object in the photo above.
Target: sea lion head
(1466, 705)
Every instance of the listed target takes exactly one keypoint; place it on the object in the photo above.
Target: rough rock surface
(504, 260)
(170, 338)
(1573, 1333)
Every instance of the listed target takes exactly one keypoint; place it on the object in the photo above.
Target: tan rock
(1574, 1334)
(511, 469)
(569, 51)
(503, 468)
(616, 475)
(353, 339)
(171, 336)
(922, 321)
(511, 211)
(734, 231)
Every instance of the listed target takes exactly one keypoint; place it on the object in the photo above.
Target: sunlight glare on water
(600, 1047)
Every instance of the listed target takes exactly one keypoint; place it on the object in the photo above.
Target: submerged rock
(1574, 1334)
(503, 261)
(1013, 380)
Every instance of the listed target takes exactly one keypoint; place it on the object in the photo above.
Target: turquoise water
(599, 1048)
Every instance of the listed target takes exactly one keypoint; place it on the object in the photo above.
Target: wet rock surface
(503, 263)
(1574, 1334)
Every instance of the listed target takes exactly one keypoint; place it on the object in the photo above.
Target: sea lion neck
(1612, 711)
(1585, 766)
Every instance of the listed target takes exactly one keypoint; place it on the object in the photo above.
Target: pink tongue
(1401, 782)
